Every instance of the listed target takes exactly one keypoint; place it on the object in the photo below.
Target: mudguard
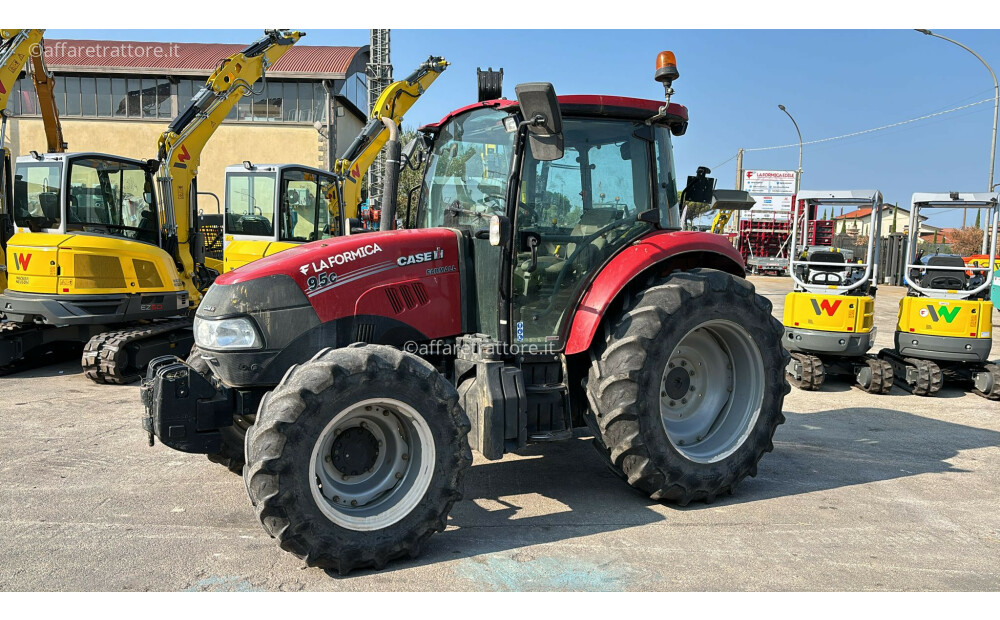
(668, 250)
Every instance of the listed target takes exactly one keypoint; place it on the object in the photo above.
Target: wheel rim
(372, 464)
(711, 391)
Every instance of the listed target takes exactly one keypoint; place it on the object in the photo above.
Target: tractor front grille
(96, 271)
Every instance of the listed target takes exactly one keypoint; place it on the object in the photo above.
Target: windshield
(36, 195)
(466, 178)
(111, 197)
(307, 200)
(250, 203)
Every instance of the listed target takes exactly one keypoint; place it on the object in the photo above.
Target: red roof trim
(600, 102)
(69, 54)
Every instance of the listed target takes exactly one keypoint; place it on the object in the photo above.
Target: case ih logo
(21, 261)
(945, 313)
(826, 306)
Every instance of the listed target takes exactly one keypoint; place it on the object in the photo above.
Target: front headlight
(235, 333)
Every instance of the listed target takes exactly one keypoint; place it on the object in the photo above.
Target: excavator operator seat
(941, 278)
(827, 274)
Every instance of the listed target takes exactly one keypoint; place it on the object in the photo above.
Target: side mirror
(732, 200)
(699, 187)
(540, 109)
(416, 146)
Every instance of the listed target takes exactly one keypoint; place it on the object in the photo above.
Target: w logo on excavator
(826, 306)
(945, 313)
(21, 261)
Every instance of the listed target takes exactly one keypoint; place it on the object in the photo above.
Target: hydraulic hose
(391, 182)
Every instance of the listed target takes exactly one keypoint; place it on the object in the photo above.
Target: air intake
(146, 273)
(96, 271)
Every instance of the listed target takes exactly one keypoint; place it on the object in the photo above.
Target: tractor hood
(381, 287)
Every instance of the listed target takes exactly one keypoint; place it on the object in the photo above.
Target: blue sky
(832, 81)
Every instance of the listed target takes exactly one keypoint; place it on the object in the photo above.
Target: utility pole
(379, 72)
(996, 115)
(798, 174)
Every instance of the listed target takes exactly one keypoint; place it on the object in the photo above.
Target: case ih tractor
(546, 286)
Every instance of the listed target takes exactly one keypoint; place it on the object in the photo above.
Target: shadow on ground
(563, 491)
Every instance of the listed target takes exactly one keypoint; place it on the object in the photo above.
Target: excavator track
(812, 371)
(988, 386)
(879, 374)
(111, 357)
(920, 377)
(27, 346)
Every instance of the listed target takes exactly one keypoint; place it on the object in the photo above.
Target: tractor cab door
(573, 215)
(464, 185)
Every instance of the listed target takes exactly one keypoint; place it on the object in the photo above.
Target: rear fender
(658, 253)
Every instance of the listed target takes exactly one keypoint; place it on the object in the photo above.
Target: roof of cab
(584, 105)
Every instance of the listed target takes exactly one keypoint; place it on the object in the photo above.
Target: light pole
(996, 110)
(798, 175)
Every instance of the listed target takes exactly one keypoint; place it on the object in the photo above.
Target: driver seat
(591, 221)
(942, 278)
(827, 274)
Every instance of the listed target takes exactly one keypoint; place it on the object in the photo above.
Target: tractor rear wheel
(687, 387)
(357, 457)
(230, 454)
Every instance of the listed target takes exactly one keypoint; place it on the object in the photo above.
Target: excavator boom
(394, 102)
(16, 48)
(181, 145)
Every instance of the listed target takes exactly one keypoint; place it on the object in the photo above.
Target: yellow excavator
(273, 207)
(16, 48)
(98, 260)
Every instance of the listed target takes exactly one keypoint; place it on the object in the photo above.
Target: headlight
(235, 333)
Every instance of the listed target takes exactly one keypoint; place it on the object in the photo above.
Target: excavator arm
(721, 219)
(393, 103)
(181, 146)
(16, 48)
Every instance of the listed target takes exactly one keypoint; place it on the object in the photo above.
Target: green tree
(978, 213)
(408, 179)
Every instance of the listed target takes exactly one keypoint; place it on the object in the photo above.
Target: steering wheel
(584, 244)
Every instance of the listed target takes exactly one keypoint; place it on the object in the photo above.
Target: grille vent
(95, 271)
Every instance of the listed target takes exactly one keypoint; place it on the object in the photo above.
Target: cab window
(582, 209)
(111, 198)
(250, 204)
(36, 195)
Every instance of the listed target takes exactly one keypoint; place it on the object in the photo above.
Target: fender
(671, 250)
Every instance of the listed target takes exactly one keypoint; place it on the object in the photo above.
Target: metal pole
(996, 114)
(798, 175)
(739, 169)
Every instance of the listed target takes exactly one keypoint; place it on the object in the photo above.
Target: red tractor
(547, 286)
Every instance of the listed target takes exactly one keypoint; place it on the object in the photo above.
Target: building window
(138, 97)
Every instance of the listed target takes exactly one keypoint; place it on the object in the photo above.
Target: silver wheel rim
(711, 391)
(372, 464)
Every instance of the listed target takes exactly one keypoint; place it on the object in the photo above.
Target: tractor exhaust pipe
(391, 183)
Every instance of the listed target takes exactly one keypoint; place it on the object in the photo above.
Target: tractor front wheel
(687, 387)
(357, 457)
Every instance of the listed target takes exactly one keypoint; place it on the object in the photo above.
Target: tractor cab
(542, 221)
(272, 207)
(945, 322)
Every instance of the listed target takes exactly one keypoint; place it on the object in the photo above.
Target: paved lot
(861, 493)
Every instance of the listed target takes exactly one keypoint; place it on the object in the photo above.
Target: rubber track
(813, 372)
(105, 357)
(994, 394)
(929, 376)
(882, 376)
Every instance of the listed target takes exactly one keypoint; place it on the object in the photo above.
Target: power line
(865, 131)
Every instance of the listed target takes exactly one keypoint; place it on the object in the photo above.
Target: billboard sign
(771, 190)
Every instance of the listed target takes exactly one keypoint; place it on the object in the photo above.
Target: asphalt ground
(862, 492)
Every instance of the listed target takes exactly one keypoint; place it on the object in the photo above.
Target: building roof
(318, 61)
(857, 213)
